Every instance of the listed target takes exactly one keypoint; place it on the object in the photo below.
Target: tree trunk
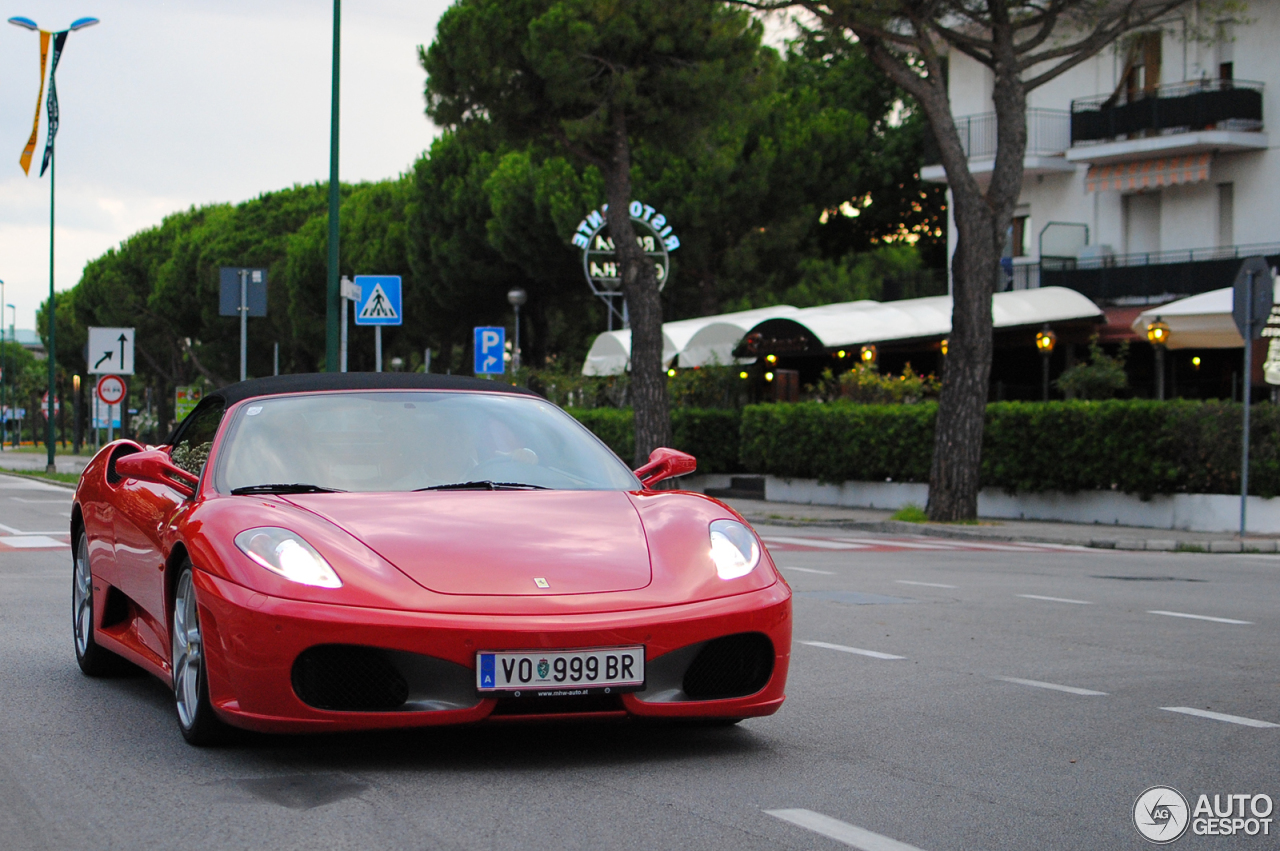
(644, 307)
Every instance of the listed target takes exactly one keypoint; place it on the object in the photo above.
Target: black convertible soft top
(311, 382)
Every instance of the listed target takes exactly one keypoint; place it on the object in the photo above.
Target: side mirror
(665, 463)
(155, 465)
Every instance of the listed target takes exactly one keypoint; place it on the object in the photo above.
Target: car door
(144, 512)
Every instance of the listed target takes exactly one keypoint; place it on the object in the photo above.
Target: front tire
(93, 660)
(196, 719)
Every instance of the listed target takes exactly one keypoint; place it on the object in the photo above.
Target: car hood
(499, 542)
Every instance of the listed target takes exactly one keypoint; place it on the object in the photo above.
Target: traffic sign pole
(244, 321)
(377, 348)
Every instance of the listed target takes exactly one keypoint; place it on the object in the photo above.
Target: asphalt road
(953, 732)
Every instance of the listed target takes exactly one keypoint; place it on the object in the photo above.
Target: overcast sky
(169, 104)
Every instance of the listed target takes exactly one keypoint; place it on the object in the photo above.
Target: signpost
(243, 293)
(110, 351)
(378, 304)
(348, 292)
(111, 390)
(599, 255)
(490, 345)
(1251, 305)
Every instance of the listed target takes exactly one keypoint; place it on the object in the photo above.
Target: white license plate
(558, 673)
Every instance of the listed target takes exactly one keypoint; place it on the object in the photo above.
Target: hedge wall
(1136, 446)
(708, 434)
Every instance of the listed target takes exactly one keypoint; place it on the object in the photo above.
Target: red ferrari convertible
(358, 551)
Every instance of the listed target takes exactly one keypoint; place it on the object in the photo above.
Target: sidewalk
(1036, 531)
(11, 459)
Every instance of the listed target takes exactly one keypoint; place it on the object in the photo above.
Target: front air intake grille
(732, 666)
(348, 678)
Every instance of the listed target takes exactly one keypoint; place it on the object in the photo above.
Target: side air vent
(348, 678)
(116, 454)
(732, 666)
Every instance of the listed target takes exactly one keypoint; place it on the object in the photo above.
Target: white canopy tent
(713, 338)
(1200, 322)
(696, 342)
(859, 323)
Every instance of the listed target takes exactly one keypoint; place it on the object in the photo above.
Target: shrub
(864, 383)
(1101, 378)
(708, 434)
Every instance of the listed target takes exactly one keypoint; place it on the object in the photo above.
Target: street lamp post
(333, 289)
(1158, 336)
(75, 414)
(59, 40)
(516, 297)
(1045, 341)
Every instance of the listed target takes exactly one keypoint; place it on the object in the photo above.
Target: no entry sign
(111, 389)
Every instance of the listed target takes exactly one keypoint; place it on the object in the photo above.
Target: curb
(38, 478)
(1168, 545)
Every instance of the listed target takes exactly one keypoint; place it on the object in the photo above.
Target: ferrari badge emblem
(543, 668)
(540, 582)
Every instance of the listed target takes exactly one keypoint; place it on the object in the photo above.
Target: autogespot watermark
(1162, 814)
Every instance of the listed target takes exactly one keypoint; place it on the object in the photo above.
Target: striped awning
(1148, 174)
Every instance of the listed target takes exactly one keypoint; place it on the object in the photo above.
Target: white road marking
(926, 584)
(1198, 617)
(816, 543)
(1056, 599)
(854, 837)
(1053, 686)
(874, 654)
(31, 542)
(810, 570)
(1219, 716)
(42, 501)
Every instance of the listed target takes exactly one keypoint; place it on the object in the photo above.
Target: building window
(1141, 74)
(1226, 214)
(1142, 223)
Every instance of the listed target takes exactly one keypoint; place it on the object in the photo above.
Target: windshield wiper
(296, 487)
(483, 485)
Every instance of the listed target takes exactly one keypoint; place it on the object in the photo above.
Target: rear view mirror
(155, 465)
(666, 463)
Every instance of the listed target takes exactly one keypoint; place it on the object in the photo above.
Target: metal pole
(342, 353)
(53, 316)
(1159, 372)
(1248, 381)
(244, 321)
(1045, 376)
(111, 423)
(275, 361)
(377, 348)
(515, 351)
(333, 292)
(426, 361)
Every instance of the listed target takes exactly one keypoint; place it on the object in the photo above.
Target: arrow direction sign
(379, 300)
(490, 345)
(111, 351)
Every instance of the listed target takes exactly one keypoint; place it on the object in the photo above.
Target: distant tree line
(807, 192)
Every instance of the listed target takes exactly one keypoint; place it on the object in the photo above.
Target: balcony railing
(1178, 107)
(1048, 134)
(1143, 276)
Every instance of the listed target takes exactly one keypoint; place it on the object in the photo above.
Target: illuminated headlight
(734, 549)
(286, 553)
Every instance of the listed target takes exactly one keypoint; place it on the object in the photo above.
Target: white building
(1157, 146)
(1149, 171)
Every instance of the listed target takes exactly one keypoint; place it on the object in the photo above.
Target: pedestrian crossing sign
(379, 302)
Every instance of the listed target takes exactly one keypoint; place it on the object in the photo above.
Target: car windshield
(411, 440)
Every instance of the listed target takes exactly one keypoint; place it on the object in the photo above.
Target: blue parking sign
(379, 302)
(491, 345)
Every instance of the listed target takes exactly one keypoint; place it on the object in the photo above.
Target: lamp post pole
(13, 335)
(516, 297)
(1158, 336)
(1246, 397)
(332, 291)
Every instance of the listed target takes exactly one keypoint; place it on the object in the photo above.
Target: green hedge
(708, 434)
(1136, 446)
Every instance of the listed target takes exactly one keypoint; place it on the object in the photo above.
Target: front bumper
(252, 642)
